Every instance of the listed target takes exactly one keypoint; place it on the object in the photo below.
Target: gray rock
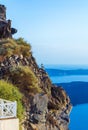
(39, 108)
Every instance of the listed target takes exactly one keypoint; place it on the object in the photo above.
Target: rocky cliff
(47, 106)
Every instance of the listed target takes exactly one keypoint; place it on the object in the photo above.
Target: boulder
(39, 108)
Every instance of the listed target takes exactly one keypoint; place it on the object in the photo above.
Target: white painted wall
(9, 124)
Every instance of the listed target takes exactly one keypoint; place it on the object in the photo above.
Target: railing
(8, 109)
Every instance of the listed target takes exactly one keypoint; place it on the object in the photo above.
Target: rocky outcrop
(5, 25)
(46, 110)
(50, 113)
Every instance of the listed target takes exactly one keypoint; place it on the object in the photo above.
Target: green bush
(18, 46)
(24, 78)
(10, 92)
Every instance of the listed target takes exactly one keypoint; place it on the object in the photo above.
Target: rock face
(39, 109)
(46, 117)
(5, 25)
(48, 110)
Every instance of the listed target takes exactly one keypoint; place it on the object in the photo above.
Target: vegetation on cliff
(10, 92)
(24, 78)
(31, 87)
(19, 80)
(18, 46)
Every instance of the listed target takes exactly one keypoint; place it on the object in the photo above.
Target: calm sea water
(71, 78)
(79, 113)
(79, 117)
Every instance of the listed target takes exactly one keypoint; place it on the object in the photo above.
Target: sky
(56, 29)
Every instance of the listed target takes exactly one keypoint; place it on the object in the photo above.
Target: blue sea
(79, 113)
(71, 78)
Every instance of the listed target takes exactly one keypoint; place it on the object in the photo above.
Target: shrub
(18, 46)
(24, 78)
(10, 92)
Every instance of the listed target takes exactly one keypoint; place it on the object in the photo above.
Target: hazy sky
(56, 29)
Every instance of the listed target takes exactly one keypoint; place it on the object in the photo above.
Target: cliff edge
(46, 106)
